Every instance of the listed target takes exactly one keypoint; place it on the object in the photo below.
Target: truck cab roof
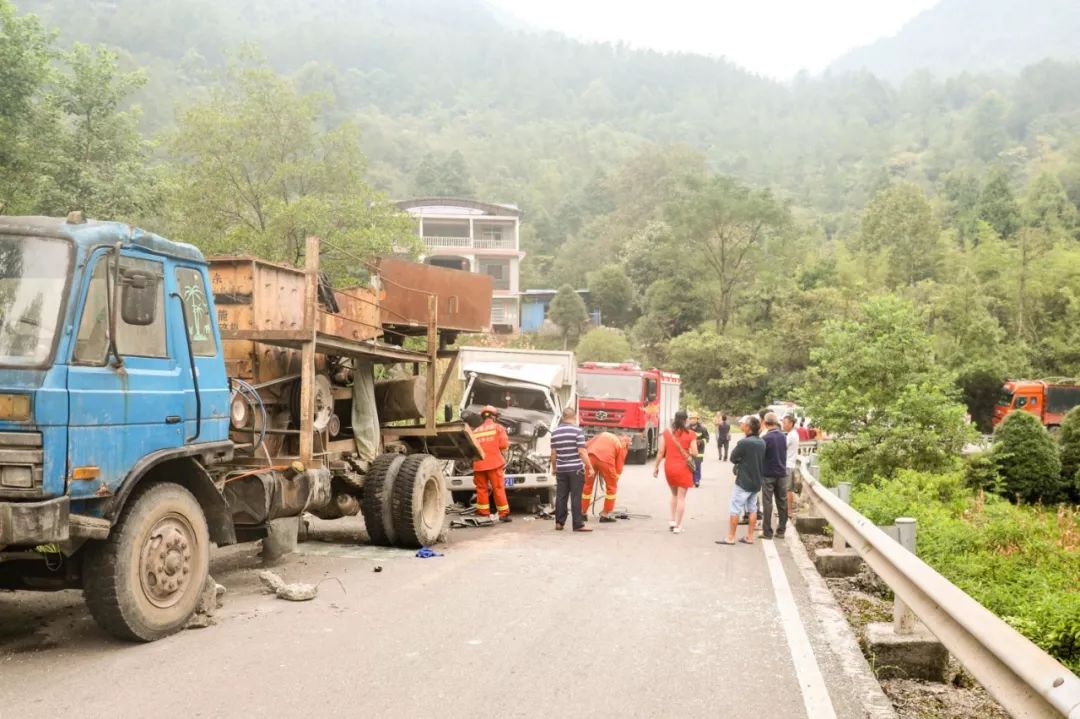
(90, 233)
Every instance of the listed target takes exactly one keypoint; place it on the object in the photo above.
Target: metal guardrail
(1023, 678)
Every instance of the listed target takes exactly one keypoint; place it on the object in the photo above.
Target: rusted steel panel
(258, 299)
(464, 298)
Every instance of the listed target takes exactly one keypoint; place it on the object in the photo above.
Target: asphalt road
(514, 621)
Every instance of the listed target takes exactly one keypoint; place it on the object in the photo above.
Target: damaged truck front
(153, 403)
(530, 388)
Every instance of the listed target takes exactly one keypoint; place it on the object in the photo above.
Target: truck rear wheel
(375, 504)
(419, 501)
(143, 582)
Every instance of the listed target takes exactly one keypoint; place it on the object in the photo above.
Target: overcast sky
(771, 37)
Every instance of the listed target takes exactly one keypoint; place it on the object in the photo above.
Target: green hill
(973, 36)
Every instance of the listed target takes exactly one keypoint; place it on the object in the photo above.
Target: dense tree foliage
(875, 385)
(603, 344)
(1027, 459)
(693, 199)
(569, 314)
(1069, 446)
(255, 173)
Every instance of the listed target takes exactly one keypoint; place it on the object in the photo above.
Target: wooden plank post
(433, 361)
(307, 354)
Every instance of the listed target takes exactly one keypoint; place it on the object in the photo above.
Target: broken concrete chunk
(271, 581)
(296, 592)
(209, 602)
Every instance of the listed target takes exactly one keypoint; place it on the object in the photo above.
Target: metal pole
(904, 620)
(843, 491)
(433, 361)
(307, 353)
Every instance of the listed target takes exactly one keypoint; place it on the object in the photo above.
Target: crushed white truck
(530, 388)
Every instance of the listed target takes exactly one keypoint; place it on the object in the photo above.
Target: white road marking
(815, 696)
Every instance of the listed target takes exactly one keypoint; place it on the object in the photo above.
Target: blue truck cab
(111, 377)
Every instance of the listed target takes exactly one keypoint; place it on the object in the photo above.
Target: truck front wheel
(143, 582)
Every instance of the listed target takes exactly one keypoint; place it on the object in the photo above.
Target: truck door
(120, 414)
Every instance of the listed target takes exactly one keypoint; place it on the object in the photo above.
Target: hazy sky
(771, 37)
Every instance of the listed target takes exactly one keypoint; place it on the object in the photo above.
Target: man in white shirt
(792, 459)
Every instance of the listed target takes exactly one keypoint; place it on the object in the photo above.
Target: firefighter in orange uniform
(608, 454)
(492, 440)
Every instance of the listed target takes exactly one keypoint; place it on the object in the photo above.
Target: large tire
(419, 501)
(375, 504)
(143, 582)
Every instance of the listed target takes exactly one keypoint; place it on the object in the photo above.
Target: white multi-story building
(478, 237)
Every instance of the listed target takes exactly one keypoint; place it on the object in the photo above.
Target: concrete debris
(296, 592)
(209, 602)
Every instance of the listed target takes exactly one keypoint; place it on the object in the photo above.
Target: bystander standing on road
(748, 457)
(677, 450)
(702, 434)
(774, 488)
(569, 458)
(723, 435)
(792, 436)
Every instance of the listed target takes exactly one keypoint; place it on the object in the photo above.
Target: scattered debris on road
(296, 592)
(209, 603)
(427, 553)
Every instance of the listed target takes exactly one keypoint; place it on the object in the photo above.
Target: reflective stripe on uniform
(483, 506)
(485, 433)
(609, 496)
(502, 507)
(586, 496)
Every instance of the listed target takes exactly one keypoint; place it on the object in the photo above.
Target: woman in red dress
(677, 445)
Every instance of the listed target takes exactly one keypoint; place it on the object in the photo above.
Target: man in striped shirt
(569, 458)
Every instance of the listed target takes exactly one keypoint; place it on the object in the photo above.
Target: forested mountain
(973, 36)
(536, 117)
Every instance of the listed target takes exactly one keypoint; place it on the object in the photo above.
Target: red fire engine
(624, 399)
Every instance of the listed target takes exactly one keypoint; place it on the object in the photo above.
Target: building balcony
(470, 243)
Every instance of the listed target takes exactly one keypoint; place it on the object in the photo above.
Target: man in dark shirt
(775, 484)
(569, 458)
(702, 441)
(723, 435)
(748, 457)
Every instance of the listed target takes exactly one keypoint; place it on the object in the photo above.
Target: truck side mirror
(541, 430)
(138, 297)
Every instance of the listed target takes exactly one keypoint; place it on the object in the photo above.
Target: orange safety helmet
(489, 411)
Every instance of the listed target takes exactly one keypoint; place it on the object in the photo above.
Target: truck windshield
(1005, 398)
(33, 274)
(609, 386)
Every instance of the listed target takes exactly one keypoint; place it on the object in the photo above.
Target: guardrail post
(904, 620)
(840, 560)
(843, 491)
(905, 648)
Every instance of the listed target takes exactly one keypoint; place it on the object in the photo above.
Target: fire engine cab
(623, 398)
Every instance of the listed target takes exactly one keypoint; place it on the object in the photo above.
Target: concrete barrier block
(831, 563)
(918, 655)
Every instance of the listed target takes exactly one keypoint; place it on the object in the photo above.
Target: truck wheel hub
(166, 561)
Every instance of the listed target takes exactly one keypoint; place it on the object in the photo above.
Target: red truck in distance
(1048, 399)
(622, 398)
